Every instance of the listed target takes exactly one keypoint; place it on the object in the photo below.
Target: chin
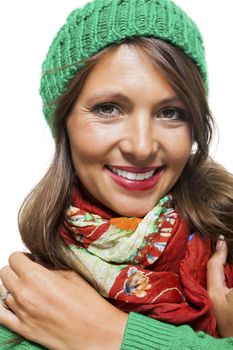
(137, 212)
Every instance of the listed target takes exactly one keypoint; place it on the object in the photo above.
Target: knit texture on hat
(103, 22)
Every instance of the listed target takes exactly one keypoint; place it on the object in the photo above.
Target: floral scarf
(153, 265)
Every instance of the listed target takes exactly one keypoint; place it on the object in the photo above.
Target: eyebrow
(170, 101)
(111, 96)
(108, 95)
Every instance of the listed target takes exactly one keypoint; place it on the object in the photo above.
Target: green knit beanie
(102, 22)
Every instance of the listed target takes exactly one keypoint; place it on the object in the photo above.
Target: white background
(26, 29)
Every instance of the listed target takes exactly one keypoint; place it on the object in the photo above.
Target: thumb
(215, 268)
(220, 255)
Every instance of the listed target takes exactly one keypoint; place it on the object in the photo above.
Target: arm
(144, 333)
(58, 309)
(48, 316)
(221, 296)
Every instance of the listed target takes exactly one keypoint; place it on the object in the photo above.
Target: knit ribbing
(103, 22)
(144, 333)
(7, 336)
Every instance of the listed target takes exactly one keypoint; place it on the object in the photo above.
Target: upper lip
(135, 169)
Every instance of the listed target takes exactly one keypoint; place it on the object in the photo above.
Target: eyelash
(97, 110)
(182, 114)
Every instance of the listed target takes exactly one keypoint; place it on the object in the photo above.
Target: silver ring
(4, 295)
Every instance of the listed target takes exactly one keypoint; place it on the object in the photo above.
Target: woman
(125, 201)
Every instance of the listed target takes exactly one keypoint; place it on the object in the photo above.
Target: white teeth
(132, 176)
(140, 176)
(124, 173)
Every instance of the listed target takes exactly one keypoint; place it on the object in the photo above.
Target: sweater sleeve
(7, 341)
(144, 333)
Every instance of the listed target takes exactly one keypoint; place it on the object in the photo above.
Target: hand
(58, 310)
(222, 297)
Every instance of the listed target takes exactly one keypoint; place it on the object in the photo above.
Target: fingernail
(220, 242)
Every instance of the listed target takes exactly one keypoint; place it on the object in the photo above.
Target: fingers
(10, 304)
(215, 269)
(18, 278)
(9, 319)
(217, 289)
(20, 263)
(8, 277)
(7, 289)
(220, 255)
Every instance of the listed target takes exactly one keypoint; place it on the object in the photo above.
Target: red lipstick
(136, 185)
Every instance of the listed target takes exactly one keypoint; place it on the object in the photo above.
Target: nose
(139, 141)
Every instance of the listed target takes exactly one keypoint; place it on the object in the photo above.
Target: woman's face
(128, 133)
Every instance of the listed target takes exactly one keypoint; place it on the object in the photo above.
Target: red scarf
(165, 279)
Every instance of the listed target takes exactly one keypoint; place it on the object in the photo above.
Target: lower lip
(136, 185)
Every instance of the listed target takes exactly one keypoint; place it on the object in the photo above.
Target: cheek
(180, 146)
(91, 141)
(82, 152)
(87, 150)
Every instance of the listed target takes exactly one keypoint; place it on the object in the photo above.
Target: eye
(173, 114)
(106, 110)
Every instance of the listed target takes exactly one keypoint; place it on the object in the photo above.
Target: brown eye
(169, 113)
(107, 110)
(174, 114)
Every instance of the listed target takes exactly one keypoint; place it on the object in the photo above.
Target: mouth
(135, 179)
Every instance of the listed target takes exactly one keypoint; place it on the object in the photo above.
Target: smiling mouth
(136, 175)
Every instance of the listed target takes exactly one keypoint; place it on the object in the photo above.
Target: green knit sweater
(144, 333)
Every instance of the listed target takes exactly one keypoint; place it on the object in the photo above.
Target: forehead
(127, 68)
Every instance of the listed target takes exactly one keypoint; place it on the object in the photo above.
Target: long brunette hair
(203, 194)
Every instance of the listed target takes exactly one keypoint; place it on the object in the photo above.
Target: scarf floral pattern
(152, 265)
